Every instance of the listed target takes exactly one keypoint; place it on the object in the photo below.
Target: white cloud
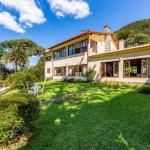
(29, 12)
(77, 8)
(9, 22)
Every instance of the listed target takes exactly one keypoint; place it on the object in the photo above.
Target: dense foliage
(141, 26)
(17, 51)
(18, 113)
(40, 67)
(26, 75)
(145, 89)
(1, 52)
(136, 33)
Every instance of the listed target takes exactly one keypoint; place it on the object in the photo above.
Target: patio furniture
(29, 90)
(41, 90)
(37, 89)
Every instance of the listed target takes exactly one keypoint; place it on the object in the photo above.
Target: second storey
(76, 50)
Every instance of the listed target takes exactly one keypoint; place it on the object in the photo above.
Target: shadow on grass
(93, 122)
(56, 89)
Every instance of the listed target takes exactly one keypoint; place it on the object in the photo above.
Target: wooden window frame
(96, 44)
(86, 41)
(60, 50)
(46, 58)
(141, 68)
(48, 70)
(62, 71)
(101, 70)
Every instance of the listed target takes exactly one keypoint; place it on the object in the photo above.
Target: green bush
(90, 75)
(1, 83)
(64, 79)
(145, 89)
(78, 81)
(18, 113)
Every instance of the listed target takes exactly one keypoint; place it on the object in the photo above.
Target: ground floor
(131, 67)
(73, 71)
(126, 66)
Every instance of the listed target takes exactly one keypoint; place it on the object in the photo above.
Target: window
(48, 70)
(77, 48)
(60, 53)
(93, 46)
(60, 71)
(48, 58)
(110, 69)
(136, 68)
(77, 70)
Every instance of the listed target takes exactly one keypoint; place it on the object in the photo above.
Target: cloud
(28, 10)
(9, 22)
(77, 8)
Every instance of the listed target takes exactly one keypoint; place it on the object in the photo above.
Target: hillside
(138, 27)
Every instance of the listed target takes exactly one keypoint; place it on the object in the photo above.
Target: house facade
(102, 52)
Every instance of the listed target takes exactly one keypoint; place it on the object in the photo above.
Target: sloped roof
(82, 34)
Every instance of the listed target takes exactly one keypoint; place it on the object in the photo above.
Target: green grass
(92, 121)
(54, 88)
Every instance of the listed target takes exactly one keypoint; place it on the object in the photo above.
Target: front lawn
(55, 88)
(92, 121)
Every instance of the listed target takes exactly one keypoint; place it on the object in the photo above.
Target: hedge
(18, 113)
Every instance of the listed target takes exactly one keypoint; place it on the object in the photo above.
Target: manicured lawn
(54, 88)
(92, 121)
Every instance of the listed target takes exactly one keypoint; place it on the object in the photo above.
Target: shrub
(90, 75)
(18, 113)
(145, 89)
(78, 81)
(48, 78)
(70, 80)
(64, 79)
(1, 83)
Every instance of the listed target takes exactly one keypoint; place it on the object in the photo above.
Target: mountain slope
(138, 27)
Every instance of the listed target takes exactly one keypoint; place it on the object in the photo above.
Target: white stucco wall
(100, 47)
(96, 62)
(48, 65)
(76, 59)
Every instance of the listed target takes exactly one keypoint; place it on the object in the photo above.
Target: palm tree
(15, 56)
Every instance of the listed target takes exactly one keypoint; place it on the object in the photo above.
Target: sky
(48, 22)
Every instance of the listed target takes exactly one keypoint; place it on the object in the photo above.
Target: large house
(102, 52)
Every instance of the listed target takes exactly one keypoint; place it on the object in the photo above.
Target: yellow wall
(71, 42)
(97, 38)
(48, 54)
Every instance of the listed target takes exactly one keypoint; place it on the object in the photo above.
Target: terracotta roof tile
(84, 33)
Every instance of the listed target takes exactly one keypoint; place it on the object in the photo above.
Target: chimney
(107, 29)
(107, 38)
(121, 44)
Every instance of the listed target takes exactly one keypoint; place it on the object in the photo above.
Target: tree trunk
(16, 66)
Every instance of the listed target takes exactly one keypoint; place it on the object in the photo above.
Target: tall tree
(17, 51)
(15, 56)
(1, 52)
